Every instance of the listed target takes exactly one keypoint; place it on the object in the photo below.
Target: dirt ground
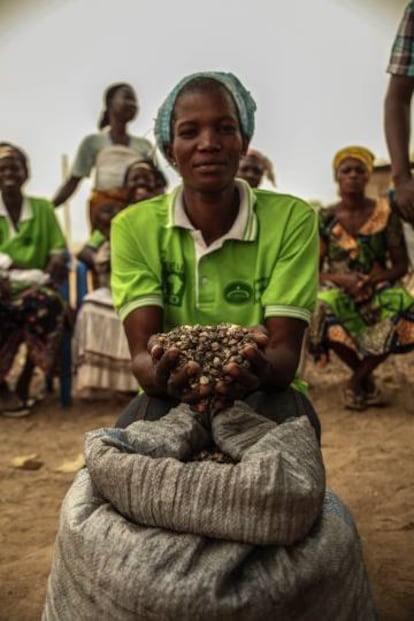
(369, 463)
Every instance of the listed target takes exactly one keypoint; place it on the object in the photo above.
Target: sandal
(353, 400)
(375, 397)
(16, 408)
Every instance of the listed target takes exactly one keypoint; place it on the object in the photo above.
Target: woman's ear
(170, 157)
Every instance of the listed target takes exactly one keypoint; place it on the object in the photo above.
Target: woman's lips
(209, 166)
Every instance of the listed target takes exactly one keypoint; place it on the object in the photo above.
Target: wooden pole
(66, 207)
(67, 226)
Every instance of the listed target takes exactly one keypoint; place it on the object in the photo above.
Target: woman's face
(251, 170)
(207, 140)
(124, 103)
(12, 173)
(140, 184)
(352, 176)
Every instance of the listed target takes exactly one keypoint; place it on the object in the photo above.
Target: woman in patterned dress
(363, 312)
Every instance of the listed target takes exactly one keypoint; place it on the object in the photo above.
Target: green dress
(385, 322)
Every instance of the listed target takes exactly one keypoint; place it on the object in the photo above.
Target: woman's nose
(209, 140)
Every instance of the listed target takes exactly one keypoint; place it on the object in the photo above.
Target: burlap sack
(146, 535)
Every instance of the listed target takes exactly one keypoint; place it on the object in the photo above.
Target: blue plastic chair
(81, 282)
(65, 379)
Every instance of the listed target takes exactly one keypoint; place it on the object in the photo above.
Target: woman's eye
(227, 129)
(187, 133)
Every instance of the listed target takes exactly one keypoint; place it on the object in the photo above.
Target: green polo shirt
(36, 236)
(265, 266)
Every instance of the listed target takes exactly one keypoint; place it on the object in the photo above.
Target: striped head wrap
(358, 153)
(243, 100)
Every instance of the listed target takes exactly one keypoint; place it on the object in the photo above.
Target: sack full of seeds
(193, 519)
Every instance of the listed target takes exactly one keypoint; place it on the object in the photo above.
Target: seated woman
(254, 166)
(255, 537)
(363, 313)
(101, 357)
(32, 264)
(100, 352)
(210, 253)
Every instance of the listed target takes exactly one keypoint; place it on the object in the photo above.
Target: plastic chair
(82, 286)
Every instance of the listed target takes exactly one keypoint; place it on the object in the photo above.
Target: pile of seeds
(212, 347)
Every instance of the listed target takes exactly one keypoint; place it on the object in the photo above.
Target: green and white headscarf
(245, 104)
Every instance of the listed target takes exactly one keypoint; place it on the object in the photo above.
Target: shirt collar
(26, 212)
(244, 227)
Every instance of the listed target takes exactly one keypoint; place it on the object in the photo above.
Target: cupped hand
(242, 378)
(170, 376)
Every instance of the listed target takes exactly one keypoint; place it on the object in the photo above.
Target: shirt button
(204, 280)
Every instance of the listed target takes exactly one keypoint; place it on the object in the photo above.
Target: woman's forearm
(340, 280)
(391, 274)
(143, 369)
(397, 125)
(65, 191)
(284, 361)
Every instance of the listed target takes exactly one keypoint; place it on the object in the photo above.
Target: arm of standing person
(397, 131)
(66, 190)
(82, 166)
(397, 113)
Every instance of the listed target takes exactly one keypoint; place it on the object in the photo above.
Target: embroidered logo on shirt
(173, 284)
(238, 292)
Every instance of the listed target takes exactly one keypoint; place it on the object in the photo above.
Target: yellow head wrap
(358, 153)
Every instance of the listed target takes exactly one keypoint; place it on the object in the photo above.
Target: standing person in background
(254, 166)
(398, 113)
(32, 266)
(111, 150)
(209, 253)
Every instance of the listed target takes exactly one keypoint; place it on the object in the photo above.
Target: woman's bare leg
(362, 369)
(23, 383)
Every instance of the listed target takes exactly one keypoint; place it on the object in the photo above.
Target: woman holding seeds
(209, 253)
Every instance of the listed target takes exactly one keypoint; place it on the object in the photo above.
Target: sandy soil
(368, 457)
